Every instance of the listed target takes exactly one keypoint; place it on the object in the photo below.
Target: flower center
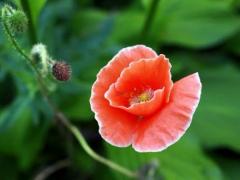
(142, 97)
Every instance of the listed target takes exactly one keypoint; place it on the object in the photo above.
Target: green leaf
(32, 143)
(233, 45)
(23, 140)
(181, 161)
(87, 22)
(196, 24)
(127, 26)
(200, 32)
(35, 8)
(11, 113)
(216, 121)
(79, 109)
(230, 165)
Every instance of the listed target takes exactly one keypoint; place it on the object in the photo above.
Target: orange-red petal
(140, 109)
(153, 74)
(115, 125)
(168, 125)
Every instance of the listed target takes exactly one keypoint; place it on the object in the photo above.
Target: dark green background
(197, 35)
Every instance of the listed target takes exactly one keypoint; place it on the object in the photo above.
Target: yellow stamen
(143, 97)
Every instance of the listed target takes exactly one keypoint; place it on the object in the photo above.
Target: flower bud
(61, 71)
(39, 53)
(17, 21)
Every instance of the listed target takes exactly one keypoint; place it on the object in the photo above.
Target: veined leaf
(184, 160)
(216, 121)
(197, 24)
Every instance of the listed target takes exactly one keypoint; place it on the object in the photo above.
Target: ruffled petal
(139, 109)
(115, 125)
(143, 75)
(168, 125)
(154, 73)
(113, 69)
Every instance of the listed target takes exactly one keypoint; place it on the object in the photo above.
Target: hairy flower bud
(61, 71)
(39, 54)
(17, 21)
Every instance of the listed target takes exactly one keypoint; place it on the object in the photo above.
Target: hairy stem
(149, 18)
(20, 50)
(60, 116)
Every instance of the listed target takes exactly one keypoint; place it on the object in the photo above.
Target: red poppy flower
(135, 101)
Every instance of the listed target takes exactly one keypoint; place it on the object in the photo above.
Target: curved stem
(42, 86)
(43, 175)
(149, 18)
(19, 49)
(73, 129)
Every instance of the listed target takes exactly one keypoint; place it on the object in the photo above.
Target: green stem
(43, 88)
(149, 18)
(16, 45)
(31, 27)
(73, 129)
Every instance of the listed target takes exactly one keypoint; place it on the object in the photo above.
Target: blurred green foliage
(200, 35)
